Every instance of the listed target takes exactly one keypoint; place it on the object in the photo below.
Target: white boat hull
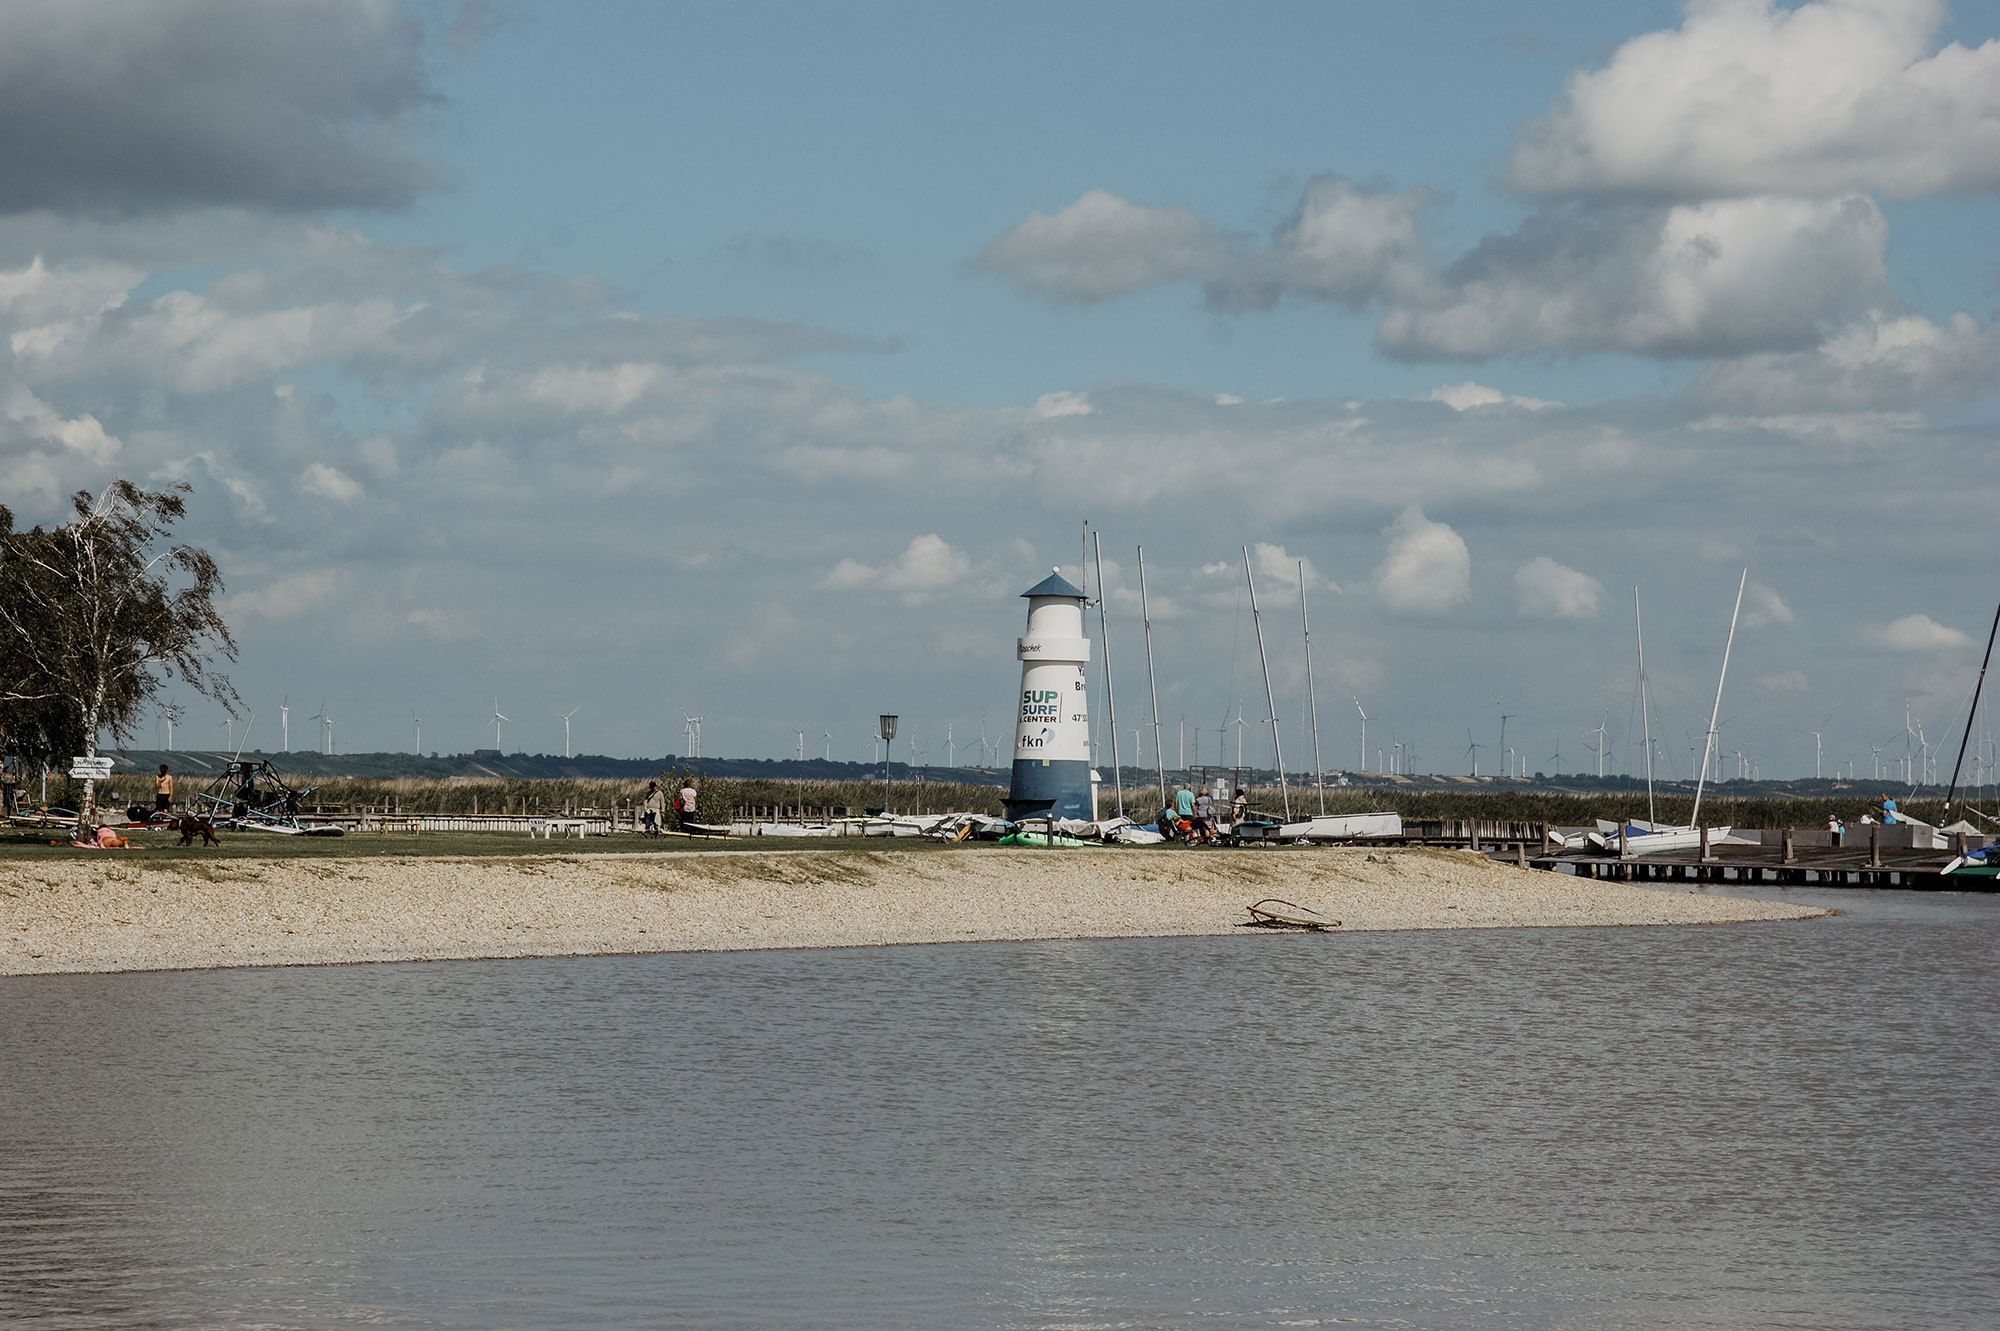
(1344, 826)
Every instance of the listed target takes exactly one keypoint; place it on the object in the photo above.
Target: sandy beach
(103, 914)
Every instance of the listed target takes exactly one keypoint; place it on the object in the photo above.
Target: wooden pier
(1764, 865)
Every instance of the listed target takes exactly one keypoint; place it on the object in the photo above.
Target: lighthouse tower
(1052, 735)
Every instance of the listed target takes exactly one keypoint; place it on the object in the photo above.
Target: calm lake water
(1748, 1126)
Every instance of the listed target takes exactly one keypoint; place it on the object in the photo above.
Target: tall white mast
(1694, 819)
(1146, 617)
(1645, 715)
(1312, 701)
(1270, 700)
(1110, 703)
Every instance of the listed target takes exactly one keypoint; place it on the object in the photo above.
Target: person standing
(655, 808)
(684, 804)
(1239, 807)
(163, 790)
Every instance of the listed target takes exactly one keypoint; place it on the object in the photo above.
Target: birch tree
(95, 614)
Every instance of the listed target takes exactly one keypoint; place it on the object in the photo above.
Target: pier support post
(1520, 854)
(1874, 845)
(1704, 843)
(1790, 858)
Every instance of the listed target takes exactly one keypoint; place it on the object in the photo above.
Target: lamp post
(888, 733)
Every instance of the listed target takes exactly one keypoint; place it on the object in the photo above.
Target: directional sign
(89, 769)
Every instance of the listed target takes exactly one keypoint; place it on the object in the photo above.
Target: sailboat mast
(1694, 819)
(1312, 702)
(1270, 699)
(1971, 716)
(1645, 716)
(1110, 700)
(1146, 617)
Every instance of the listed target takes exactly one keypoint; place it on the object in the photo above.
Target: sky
(644, 360)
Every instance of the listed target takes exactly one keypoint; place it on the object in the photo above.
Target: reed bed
(721, 795)
(718, 795)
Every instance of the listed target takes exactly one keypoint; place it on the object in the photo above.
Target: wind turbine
(1506, 754)
(1363, 764)
(802, 742)
(827, 735)
(950, 753)
(229, 734)
(497, 719)
(173, 712)
(285, 722)
(1556, 759)
(565, 720)
(1472, 747)
(1816, 750)
(1599, 749)
(417, 723)
(325, 725)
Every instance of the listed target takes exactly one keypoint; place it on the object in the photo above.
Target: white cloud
(1749, 98)
(927, 566)
(1879, 360)
(38, 421)
(1098, 247)
(1228, 400)
(1051, 405)
(1764, 607)
(1466, 396)
(1280, 565)
(1789, 681)
(287, 597)
(1548, 590)
(1718, 278)
(328, 483)
(1344, 242)
(1427, 569)
(1915, 633)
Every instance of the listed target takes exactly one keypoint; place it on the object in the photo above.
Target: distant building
(488, 753)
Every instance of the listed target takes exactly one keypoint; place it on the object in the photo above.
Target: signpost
(89, 769)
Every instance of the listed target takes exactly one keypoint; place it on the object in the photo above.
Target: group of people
(654, 810)
(1836, 825)
(1196, 814)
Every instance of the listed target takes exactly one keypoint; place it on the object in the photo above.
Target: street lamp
(888, 733)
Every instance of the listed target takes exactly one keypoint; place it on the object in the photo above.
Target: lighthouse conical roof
(1054, 585)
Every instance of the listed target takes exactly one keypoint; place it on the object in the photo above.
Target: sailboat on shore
(1649, 838)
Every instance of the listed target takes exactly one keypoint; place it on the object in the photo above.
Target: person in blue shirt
(1888, 810)
(1184, 802)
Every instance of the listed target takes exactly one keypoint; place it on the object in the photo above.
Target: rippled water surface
(1747, 1126)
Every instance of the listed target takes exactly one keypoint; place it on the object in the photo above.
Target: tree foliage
(96, 613)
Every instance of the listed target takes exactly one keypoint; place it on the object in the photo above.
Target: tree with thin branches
(95, 614)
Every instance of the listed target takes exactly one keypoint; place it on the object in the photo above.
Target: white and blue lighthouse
(1051, 775)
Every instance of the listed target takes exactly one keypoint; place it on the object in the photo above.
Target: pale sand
(102, 914)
